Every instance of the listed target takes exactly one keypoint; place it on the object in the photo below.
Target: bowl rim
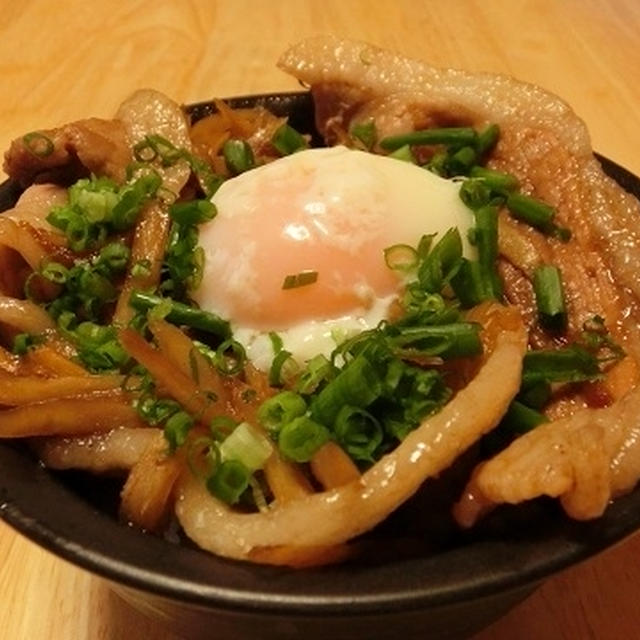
(36, 504)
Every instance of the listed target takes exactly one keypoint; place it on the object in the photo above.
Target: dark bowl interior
(416, 570)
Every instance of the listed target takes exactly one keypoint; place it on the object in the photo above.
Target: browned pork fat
(542, 142)
(589, 454)
(69, 152)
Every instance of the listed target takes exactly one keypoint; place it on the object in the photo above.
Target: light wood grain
(70, 58)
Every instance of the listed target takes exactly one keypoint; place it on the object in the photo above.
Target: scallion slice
(281, 409)
(179, 313)
(549, 292)
(401, 257)
(457, 340)
(487, 139)
(359, 433)
(302, 279)
(403, 153)
(496, 181)
(365, 132)
(358, 384)
(520, 418)
(238, 156)
(568, 364)
(475, 193)
(442, 262)
(248, 446)
(299, 439)
(278, 367)
(192, 211)
(229, 481)
(38, 144)
(286, 140)
(534, 212)
(458, 136)
(230, 357)
(461, 160)
(176, 429)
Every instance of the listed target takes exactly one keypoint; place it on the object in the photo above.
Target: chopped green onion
(286, 140)
(520, 419)
(180, 313)
(299, 439)
(424, 245)
(55, 272)
(276, 342)
(222, 426)
(403, 153)
(176, 429)
(281, 409)
(438, 163)
(475, 193)
(22, 342)
(536, 395)
(358, 432)
(248, 446)
(486, 237)
(487, 139)
(209, 181)
(163, 409)
(534, 212)
(113, 257)
(277, 369)
(358, 384)
(318, 370)
(238, 156)
(365, 132)
(229, 481)
(141, 268)
(401, 257)
(38, 144)
(192, 211)
(471, 284)
(457, 340)
(98, 207)
(301, 279)
(460, 161)
(131, 199)
(442, 262)
(154, 146)
(549, 293)
(595, 337)
(98, 347)
(496, 181)
(230, 357)
(568, 364)
(458, 136)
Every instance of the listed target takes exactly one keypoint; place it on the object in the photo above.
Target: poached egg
(331, 212)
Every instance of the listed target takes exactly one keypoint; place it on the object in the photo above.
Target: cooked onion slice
(335, 516)
(117, 450)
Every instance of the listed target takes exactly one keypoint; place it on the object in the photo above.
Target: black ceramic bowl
(418, 578)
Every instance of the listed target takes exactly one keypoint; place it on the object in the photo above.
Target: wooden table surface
(71, 58)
